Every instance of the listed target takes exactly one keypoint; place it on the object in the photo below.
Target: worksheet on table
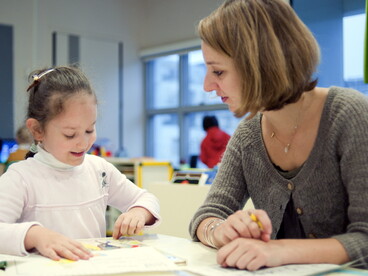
(138, 259)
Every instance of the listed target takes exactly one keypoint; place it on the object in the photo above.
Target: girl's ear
(35, 128)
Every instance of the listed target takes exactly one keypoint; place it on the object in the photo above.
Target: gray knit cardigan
(330, 191)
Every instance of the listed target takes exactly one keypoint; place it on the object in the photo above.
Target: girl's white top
(71, 200)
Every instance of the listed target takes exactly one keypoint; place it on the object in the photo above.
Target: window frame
(182, 110)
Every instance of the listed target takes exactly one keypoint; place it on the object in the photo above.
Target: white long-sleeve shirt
(70, 200)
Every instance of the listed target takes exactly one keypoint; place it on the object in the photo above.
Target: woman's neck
(285, 121)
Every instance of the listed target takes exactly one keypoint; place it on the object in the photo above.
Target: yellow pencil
(255, 219)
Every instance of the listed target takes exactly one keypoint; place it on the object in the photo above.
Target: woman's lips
(224, 99)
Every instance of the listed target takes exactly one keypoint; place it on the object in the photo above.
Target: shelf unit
(142, 172)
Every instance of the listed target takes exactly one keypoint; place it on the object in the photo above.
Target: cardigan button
(299, 211)
(290, 186)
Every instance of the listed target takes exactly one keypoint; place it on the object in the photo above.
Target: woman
(300, 154)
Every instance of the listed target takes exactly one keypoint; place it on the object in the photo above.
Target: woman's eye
(218, 73)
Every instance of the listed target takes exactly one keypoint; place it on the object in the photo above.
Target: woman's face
(222, 77)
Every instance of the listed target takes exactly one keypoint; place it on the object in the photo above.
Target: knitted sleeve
(352, 120)
(228, 192)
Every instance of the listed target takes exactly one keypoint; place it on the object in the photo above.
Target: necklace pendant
(286, 149)
(272, 134)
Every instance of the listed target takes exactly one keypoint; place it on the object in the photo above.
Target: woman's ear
(35, 128)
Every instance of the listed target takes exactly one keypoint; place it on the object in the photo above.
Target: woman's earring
(33, 148)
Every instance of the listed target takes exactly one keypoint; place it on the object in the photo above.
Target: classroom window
(353, 45)
(165, 136)
(164, 76)
(195, 133)
(176, 104)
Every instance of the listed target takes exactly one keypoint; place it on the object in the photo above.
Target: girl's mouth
(78, 154)
(224, 99)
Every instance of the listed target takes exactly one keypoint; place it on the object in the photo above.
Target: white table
(195, 254)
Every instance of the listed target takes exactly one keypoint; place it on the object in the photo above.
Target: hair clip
(37, 77)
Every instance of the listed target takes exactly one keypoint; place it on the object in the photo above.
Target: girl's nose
(83, 142)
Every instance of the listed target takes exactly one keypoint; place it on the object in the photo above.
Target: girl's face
(70, 135)
(222, 77)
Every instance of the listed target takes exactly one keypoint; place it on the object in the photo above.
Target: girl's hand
(132, 222)
(250, 254)
(54, 245)
(240, 225)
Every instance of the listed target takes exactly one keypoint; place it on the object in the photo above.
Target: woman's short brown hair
(273, 51)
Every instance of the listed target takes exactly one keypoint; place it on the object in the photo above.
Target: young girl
(60, 193)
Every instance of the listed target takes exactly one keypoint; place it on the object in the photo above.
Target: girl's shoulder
(28, 163)
(23, 169)
(98, 162)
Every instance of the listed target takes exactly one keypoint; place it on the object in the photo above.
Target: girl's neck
(47, 158)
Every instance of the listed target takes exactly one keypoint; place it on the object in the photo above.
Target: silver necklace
(287, 146)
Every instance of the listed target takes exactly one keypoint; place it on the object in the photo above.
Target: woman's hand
(54, 245)
(240, 225)
(132, 222)
(250, 254)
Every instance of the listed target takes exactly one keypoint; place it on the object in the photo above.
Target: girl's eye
(90, 131)
(218, 73)
(69, 136)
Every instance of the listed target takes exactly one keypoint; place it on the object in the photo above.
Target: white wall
(111, 19)
(171, 21)
(35, 20)
(19, 15)
(139, 24)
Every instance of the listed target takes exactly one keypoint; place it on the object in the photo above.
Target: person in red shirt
(214, 144)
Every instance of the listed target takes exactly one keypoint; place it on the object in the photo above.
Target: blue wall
(324, 19)
(6, 82)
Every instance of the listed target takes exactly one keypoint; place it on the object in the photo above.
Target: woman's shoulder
(247, 131)
(344, 97)
(345, 108)
(248, 126)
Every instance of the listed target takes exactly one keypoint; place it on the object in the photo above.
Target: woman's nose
(209, 85)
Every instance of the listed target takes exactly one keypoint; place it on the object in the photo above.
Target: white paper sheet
(300, 270)
(123, 260)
